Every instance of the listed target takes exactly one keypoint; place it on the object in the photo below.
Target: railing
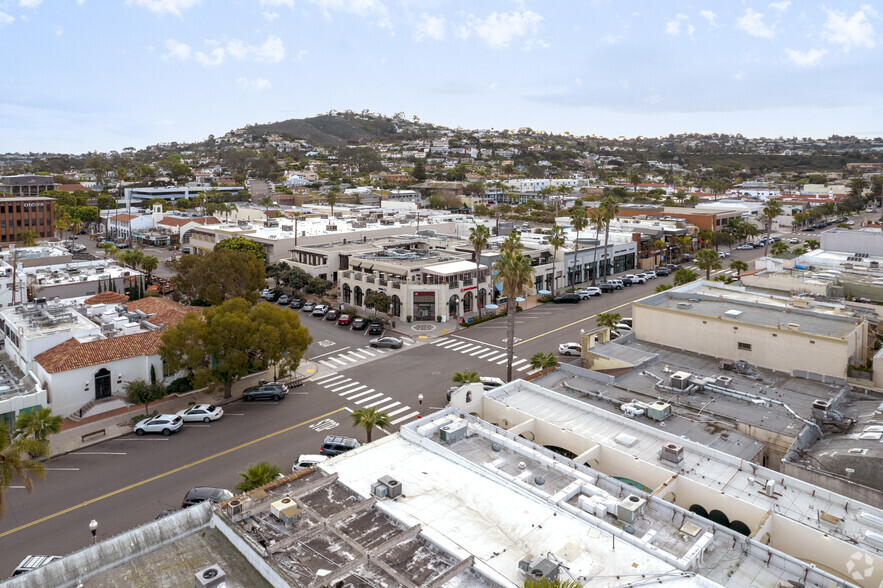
(357, 276)
(397, 284)
(467, 282)
(370, 279)
(347, 275)
(382, 282)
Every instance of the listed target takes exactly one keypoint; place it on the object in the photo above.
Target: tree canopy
(242, 244)
(219, 276)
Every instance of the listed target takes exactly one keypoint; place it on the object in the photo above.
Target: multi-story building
(26, 185)
(19, 214)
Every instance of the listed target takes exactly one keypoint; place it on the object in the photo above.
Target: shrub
(180, 386)
(140, 417)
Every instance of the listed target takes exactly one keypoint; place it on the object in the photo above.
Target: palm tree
(370, 418)
(798, 251)
(38, 423)
(148, 264)
(478, 237)
(543, 361)
(516, 274)
(27, 238)
(812, 244)
(266, 202)
(331, 198)
(556, 240)
(658, 245)
(779, 249)
(596, 220)
(110, 250)
(608, 319)
(708, 260)
(739, 266)
(663, 287)
(772, 209)
(684, 276)
(579, 221)
(610, 209)
(465, 378)
(257, 475)
(14, 462)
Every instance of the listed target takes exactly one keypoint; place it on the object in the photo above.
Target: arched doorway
(482, 298)
(357, 296)
(467, 302)
(453, 305)
(396, 305)
(102, 384)
(347, 293)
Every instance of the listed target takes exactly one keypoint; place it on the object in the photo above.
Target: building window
(745, 346)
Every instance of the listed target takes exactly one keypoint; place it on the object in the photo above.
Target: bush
(140, 417)
(180, 386)
(485, 318)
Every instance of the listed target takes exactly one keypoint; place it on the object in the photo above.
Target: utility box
(659, 411)
(631, 509)
(393, 486)
(452, 432)
(672, 452)
(680, 380)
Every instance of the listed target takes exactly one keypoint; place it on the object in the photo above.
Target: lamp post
(93, 526)
(420, 403)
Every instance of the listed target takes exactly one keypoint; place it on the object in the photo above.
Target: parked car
(274, 295)
(201, 413)
(723, 254)
(32, 562)
(636, 278)
(570, 349)
(567, 299)
(307, 461)
(585, 293)
(308, 307)
(490, 382)
(265, 392)
(203, 493)
(335, 445)
(606, 287)
(360, 323)
(649, 274)
(284, 300)
(778, 239)
(672, 266)
(298, 302)
(265, 292)
(627, 320)
(320, 310)
(161, 423)
(663, 271)
(345, 320)
(331, 315)
(375, 328)
(616, 283)
(391, 342)
(793, 240)
(622, 328)
(745, 247)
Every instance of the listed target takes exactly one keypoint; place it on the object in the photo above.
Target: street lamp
(420, 402)
(93, 526)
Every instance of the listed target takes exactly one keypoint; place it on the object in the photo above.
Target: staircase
(84, 410)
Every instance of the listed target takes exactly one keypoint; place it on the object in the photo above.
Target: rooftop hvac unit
(285, 510)
(659, 411)
(724, 381)
(680, 380)
(538, 568)
(234, 507)
(672, 452)
(211, 577)
(393, 486)
(630, 509)
(452, 432)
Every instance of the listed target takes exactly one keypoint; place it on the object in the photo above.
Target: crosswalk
(701, 272)
(361, 396)
(489, 353)
(349, 357)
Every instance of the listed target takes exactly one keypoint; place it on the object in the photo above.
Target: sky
(99, 75)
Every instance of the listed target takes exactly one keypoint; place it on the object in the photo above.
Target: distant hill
(329, 131)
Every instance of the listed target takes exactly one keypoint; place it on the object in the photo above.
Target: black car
(359, 323)
(606, 288)
(298, 302)
(332, 315)
(376, 328)
(663, 271)
(335, 445)
(265, 392)
(201, 494)
(274, 295)
(567, 299)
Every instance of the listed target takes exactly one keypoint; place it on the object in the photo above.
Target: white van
(307, 461)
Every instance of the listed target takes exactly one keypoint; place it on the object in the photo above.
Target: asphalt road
(128, 481)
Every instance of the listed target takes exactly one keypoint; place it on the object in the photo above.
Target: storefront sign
(469, 288)
(424, 293)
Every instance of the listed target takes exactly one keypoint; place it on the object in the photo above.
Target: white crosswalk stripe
(346, 386)
(388, 406)
(328, 364)
(404, 418)
(327, 377)
(446, 342)
(514, 363)
(397, 411)
(337, 360)
(487, 354)
(524, 367)
(368, 398)
(371, 352)
(359, 354)
(467, 349)
(496, 357)
(459, 346)
(501, 362)
(352, 391)
(480, 350)
(337, 381)
(407, 342)
(360, 394)
(349, 359)
(376, 402)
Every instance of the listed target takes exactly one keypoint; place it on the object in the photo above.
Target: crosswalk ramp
(350, 357)
(489, 353)
(361, 396)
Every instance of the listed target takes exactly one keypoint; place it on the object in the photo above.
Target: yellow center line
(163, 475)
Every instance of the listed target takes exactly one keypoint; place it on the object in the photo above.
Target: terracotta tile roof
(160, 311)
(124, 218)
(73, 354)
(106, 297)
(173, 221)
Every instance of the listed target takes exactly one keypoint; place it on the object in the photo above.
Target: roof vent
(211, 577)
(793, 326)
(732, 313)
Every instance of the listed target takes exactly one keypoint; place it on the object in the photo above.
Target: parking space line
(353, 391)
(388, 406)
(397, 411)
(360, 394)
(404, 418)
(367, 398)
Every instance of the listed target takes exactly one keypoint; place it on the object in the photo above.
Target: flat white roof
(452, 267)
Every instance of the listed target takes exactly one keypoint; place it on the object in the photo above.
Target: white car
(587, 292)
(723, 254)
(850, 223)
(307, 461)
(627, 320)
(266, 292)
(637, 278)
(649, 274)
(490, 382)
(201, 413)
(745, 247)
(794, 241)
(320, 310)
(623, 327)
(161, 423)
(570, 349)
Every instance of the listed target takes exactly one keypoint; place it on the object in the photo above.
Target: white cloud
(58, 30)
(710, 16)
(752, 23)
(30, 3)
(6, 19)
(809, 58)
(611, 39)
(850, 31)
(673, 27)
(578, 81)
(272, 50)
(215, 57)
(176, 50)
(270, 16)
(301, 54)
(780, 6)
(288, 3)
(363, 8)
(432, 27)
(739, 76)
(255, 85)
(499, 29)
(165, 6)
(653, 97)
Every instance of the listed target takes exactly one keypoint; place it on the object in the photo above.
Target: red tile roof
(106, 297)
(173, 221)
(124, 218)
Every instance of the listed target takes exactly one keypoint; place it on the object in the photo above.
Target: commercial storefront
(31, 213)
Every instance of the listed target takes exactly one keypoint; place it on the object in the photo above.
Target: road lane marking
(328, 377)
(388, 406)
(397, 411)
(460, 345)
(468, 347)
(348, 358)
(100, 453)
(404, 418)
(582, 320)
(353, 391)
(496, 357)
(502, 361)
(520, 361)
(328, 364)
(445, 342)
(362, 401)
(479, 342)
(524, 367)
(337, 383)
(330, 352)
(345, 386)
(62, 469)
(360, 394)
(142, 439)
(165, 474)
(371, 353)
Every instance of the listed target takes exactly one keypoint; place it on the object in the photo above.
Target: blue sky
(83, 75)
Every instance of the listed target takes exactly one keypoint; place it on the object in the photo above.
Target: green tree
(16, 462)
(578, 221)
(38, 423)
(778, 249)
(812, 244)
(230, 340)
(318, 286)
(266, 202)
(140, 391)
(219, 276)
(738, 266)
(608, 319)
(332, 197)
(465, 378)
(772, 209)
(27, 238)
(377, 300)
(243, 245)
(684, 276)
(516, 275)
(370, 418)
(109, 249)
(596, 221)
(257, 475)
(708, 260)
(663, 287)
(107, 202)
(180, 171)
(635, 177)
(543, 361)
(419, 171)
(478, 237)
(149, 263)
(556, 241)
(609, 209)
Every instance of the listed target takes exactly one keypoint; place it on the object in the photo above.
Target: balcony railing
(397, 284)
(357, 276)
(370, 279)
(347, 275)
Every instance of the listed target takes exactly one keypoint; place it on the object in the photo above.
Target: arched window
(396, 305)
(357, 296)
(453, 305)
(467, 302)
(482, 298)
(347, 293)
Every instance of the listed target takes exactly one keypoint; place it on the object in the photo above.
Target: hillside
(329, 131)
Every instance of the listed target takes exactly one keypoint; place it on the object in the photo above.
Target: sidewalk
(118, 422)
